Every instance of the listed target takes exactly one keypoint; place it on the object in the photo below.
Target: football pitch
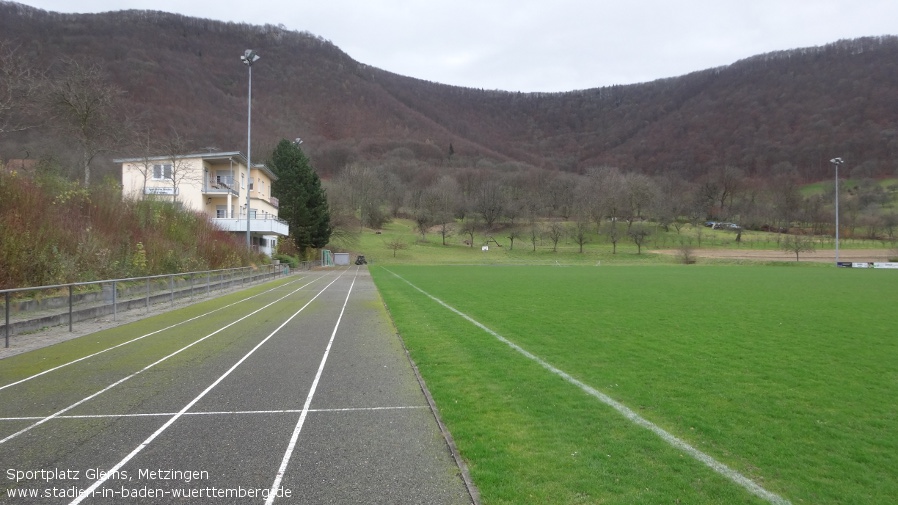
(660, 384)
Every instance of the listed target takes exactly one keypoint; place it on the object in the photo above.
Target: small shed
(341, 259)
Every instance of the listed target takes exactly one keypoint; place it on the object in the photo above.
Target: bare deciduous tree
(580, 230)
(366, 193)
(730, 182)
(797, 244)
(396, 244)
(534, 232)
(639, 234)
(640, 191)
(444, 195)
(512, 234)
(489, 202)
(687, 253)
(395, 192)
(19, 87)
(469, 228)
(613, 233)
(87, 108)
(144, 142)
(174, 149)
(555, 232)
(423, 220)
(671, 205)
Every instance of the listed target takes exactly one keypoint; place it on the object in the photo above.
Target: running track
(299, 393)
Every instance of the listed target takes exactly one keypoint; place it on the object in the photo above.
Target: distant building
(214, 184)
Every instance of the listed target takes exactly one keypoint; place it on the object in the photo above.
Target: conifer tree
(303, 202)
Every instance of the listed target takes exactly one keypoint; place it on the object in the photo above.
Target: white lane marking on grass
(114, 470)
(147, 335)
(628, 413)
(116, 383)
(305, 408)
(220, 413)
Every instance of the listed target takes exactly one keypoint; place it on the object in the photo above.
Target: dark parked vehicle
(360, 260)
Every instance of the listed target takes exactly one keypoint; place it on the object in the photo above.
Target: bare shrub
(686, 253)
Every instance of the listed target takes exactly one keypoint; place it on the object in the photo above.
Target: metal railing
(220, 184)
(34, 308)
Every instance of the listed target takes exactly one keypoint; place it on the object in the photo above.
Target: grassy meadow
(429, 250)
(789, 376)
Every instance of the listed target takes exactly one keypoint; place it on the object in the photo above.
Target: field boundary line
(294, 438)
(120, 381)
(627, 412)
(114, 470)
(151, 333)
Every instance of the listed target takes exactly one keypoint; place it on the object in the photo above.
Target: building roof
(216, 156)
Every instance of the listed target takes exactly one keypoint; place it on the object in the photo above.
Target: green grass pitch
(786, 375)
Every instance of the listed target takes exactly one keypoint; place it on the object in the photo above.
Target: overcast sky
(546, 45)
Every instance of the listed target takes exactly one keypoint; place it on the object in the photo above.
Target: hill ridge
(797, 107)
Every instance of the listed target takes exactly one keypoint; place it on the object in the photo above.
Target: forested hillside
(796, 108)
(734, 143)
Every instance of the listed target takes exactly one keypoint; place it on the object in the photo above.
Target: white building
(214, 184)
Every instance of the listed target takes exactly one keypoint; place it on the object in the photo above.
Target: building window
(243, 181)
(161, 172)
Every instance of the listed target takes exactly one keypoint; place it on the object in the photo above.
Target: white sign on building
(161, 190)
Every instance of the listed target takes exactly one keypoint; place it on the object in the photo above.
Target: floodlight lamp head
(836, 161)
(297, 141)
(249, 57)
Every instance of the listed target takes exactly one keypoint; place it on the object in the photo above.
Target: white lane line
(305, 408)
(116, 383)
(628, 413)
(147, 335)
(114, 470)
(221, 413)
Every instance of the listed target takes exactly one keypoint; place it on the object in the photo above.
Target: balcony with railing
(259, 223)
(220, 185)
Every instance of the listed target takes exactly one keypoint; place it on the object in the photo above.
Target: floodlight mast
(249, 57)
(836, 162)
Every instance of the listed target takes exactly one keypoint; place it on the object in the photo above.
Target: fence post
(148, 294)
(171, 288)
(114, 301)
(71, 296)
(7, 317)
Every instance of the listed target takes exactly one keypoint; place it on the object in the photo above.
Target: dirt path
(775, 255)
